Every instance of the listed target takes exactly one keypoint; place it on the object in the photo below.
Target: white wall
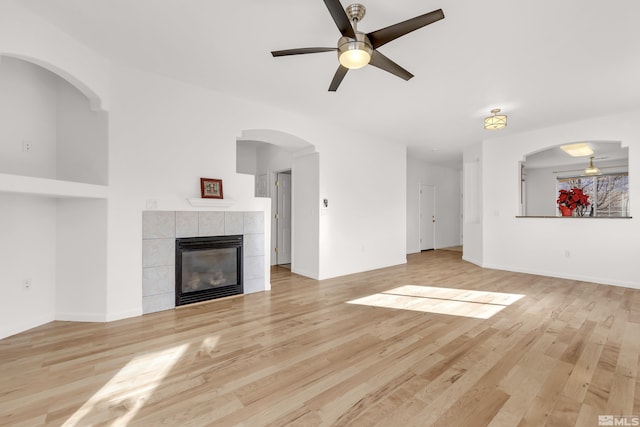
(305, 208)
(28, 96)
(472, 190)
(27, 251)
(447, 194)
(271, 159)
(365, 182)
(82, 138)
(28, 100)
(246, 157)
(164, 135)
(81, 259)
(600, 250)
(540, 192)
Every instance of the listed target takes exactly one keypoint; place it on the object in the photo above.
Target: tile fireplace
(161, 231)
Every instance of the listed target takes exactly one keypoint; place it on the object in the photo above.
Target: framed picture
(211, 188)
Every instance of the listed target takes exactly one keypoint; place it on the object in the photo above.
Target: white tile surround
(161, 228)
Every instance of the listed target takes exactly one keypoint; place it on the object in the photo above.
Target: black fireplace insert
(208, 268)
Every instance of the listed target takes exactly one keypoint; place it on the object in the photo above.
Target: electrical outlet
(567, 254)
(26, 284)
(26, 146)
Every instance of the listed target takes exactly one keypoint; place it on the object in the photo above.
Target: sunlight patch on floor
(209, 344)
(429, 299)
(129, 389)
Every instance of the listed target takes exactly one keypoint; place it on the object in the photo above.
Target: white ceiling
(543, 62)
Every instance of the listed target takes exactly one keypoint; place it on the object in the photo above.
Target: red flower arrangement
(573, 199)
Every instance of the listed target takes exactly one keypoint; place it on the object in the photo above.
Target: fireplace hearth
(208, 268)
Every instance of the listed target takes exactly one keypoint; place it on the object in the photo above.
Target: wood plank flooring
(437, 341)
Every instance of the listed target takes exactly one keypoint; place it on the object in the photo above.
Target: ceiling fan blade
(340, 17)
(337, 78)
(385, 35)
(380, 61)
(302, 51)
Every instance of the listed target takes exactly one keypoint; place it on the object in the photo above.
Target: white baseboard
(367, 268)
(304, 273)
(16, 328)
(97, 317)
(80, 317)
(599, 280)
(472, 261)
(123, 315)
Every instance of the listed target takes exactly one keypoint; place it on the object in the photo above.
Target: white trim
(50, 187)
(110, 317)
(19, 327)
(212, 203)
(81, 317)
(601, 281)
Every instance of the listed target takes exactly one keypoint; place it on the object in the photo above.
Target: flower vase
(566, 211)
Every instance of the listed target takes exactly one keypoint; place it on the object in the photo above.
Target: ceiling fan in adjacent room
(357, 49)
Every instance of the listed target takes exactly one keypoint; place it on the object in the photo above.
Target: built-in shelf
(45, 187)
(211, 203)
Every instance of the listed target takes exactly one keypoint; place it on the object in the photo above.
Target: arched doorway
(279, 163)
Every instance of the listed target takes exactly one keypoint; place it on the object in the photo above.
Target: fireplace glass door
(207, 268)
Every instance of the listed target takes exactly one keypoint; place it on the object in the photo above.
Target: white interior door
(427, 217)
(283, 218)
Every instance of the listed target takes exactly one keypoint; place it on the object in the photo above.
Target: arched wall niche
(95, 102)
(543, 172)
(54, 132)
(54, 182)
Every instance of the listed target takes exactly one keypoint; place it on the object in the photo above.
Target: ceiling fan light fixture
(592, 170)
(497, 121)
(354, 54)
(356, 49)
(577, 150)
(354, 58)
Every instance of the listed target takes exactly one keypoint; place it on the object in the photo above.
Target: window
(608, 194)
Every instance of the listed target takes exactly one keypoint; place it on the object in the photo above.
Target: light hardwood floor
(435, 342)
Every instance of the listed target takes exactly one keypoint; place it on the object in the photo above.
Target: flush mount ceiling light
(577, 150)
(497, 121)
(592, 170)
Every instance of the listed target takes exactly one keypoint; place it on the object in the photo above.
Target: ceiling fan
(357, 49)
